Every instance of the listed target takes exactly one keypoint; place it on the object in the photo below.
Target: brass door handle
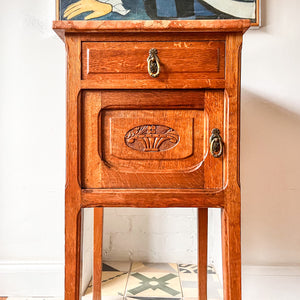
(153, 63)
(216, 143)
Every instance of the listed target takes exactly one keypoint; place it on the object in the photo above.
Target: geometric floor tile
(214, 288)
(211, 270)
(154, 281)
(149, 281)
(153, 285)
(188, 268)
(189, 280)
(113, 283)
(88, 294)
(154, 267)
(118, 266)
(114, 279)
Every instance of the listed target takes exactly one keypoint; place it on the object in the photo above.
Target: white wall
(150, 235)
(32, 135)
(270, 160)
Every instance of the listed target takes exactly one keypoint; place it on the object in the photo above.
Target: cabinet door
(150, 139)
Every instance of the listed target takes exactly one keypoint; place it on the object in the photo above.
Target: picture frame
(158, 10)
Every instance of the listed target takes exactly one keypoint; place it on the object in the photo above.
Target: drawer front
(146, 139)
(187, 60)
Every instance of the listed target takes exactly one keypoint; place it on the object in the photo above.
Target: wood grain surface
(72, 192)
(109, 93)
(182, 59)
(97, 260)
(202, 252)
(108, 162)
(62, 27)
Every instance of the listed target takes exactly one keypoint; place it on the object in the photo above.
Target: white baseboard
(46, 279)
(36, 279)
(271, 282)
(264, 271)
(271, 270)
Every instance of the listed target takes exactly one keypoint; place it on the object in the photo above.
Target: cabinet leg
(98, 237)
(202, 252)
(72, 253)
(231, 248)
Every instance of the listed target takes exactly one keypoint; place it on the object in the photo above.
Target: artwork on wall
(158, 9)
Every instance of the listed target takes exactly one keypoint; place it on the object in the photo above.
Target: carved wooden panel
(152, 138)
(113, 122)
(186, 124)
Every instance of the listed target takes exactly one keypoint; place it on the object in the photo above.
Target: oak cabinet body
(134, 140)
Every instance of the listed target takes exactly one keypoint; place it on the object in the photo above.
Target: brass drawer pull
(153, 63)
(216, 143)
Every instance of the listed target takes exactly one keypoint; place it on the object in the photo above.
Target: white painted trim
(271, 270)
(46, 278)
(32, 278)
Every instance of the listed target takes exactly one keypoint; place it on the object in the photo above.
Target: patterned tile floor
(158, 281)
(257, 285)
(149, 281)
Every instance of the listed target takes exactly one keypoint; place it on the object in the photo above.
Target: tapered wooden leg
(231, 247)
(72, 252)
(202, 252)
(98, 237)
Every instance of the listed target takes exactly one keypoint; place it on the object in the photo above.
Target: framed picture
(158, 10)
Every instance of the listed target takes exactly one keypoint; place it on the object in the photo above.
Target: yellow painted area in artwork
(98, 9)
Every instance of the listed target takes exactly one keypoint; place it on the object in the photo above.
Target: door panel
(150, 139)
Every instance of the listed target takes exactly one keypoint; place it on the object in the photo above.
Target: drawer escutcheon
(216, 143)
(153, 63)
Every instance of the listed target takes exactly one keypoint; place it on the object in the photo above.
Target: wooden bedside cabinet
(153, 121)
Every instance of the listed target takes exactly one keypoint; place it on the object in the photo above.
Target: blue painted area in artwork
(157, 9)
(200, 10)
(164, 10)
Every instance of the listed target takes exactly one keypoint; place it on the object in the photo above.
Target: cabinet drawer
(188, 60)
(150, 139)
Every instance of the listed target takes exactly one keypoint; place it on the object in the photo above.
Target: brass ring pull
(216, 143)
(153, 63)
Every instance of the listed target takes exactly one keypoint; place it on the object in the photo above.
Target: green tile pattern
(155, 281)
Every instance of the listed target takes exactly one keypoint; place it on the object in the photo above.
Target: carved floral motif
(151, 138)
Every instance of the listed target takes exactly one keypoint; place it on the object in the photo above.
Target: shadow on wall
(270, 176)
